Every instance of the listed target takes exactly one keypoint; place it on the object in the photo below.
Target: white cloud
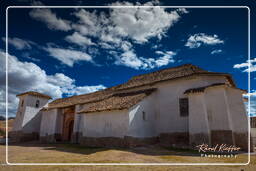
(68, 56)
(50, 18)
(27, 76)
(216, 51)
(130, 59)
(18, 43)
(79, 39)
(141, 24)
(120, 28)
(196, 40)
(85, 89)
(245, 66)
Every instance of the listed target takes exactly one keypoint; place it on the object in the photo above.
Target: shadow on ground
(79, 149)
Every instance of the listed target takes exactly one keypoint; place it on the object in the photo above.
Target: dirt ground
(35, 152)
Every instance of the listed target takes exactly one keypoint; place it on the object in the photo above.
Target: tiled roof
(168, 74)
(118, 101)
(137, 81)
(33, 93)
(201, 89)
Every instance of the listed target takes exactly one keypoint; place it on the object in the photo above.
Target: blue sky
(64, 52)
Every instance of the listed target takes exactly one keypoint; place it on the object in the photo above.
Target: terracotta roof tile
(118, 101)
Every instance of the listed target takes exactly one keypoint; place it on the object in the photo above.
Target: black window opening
(143, 116)
(184, 107)
(37, 104)
(22, 103)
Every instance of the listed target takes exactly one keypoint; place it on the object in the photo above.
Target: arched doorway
(68, 124)
(70, 129)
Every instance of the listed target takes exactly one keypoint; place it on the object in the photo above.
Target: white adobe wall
(198, 119)
(17, 126)
(105, 124)
(238, 114)
(167, 101)
(139, 127)
(48, 123)
(217, 109)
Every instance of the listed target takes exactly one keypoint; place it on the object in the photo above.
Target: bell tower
(28, 116)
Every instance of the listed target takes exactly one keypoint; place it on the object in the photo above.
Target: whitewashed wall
(238, 114)
(105, 124)
(138, 127)
(198, 118)
(48, 123)
(167, 101)
(217, 109)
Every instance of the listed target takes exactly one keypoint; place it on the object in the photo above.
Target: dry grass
(67, 153)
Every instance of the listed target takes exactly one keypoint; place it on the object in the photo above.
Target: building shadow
(152, 150)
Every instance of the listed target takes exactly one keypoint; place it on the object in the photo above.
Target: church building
(180, 107)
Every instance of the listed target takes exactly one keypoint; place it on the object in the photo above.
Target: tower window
(37, 103)
(183, 107)
(22, 103)
(143, 116)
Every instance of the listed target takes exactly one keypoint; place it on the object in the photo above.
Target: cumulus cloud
(117, 29)
(79, 39)
(216, 51)
(199, 39)
(130, 59)
(245, 66)
(122, 27)
(137, 24)
(50, 19)
(18, 43)
(68, 56)
(27, 76)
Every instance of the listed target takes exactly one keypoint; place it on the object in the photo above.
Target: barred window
(183, 107)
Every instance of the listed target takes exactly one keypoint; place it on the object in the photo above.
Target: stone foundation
(222, 137)
(177, 139)
(197, 139)
(241, 140)
(127, 141)
(19, 136)
(50, 138)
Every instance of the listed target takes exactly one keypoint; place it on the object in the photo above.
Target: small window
(37, 104)
(143, 116)
(183, 107)
(22, 103)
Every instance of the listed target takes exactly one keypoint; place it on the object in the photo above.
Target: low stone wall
(241, 140)
(127, 141)
(50, 138)
(198, 139)
(176, 139)
(222, 137)
(19, 136)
